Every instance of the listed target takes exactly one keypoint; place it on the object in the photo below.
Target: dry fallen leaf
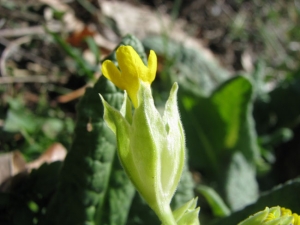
(13, 167)
(56, 152)
(11, 163)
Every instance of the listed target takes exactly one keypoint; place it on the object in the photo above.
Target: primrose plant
(151, 147)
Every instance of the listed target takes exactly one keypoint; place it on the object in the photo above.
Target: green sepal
(190, 218)
(148, 140)
(178, 213)
(187, 214)
(176, 143)
(256, 218)
(114, 119)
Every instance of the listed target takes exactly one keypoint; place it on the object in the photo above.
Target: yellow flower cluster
(273, 216)
(288, 212)
(284, 212)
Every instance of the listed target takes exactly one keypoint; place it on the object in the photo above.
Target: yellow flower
(274, 215)
(132, 71)
(288, 212)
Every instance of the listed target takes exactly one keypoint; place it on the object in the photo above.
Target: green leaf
(284, 195)
(94, 48)
(93, 188)
(18, 120)
(216, 203)
(239, 184)
(86, 177)
(217, 127)
(119, 200)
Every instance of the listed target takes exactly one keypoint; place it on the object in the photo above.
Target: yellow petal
(133, 71)
(132, 93)
(111, 72)
(130, 62)
(296, 219)
(149, 76)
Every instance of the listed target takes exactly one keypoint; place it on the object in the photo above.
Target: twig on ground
(28, 55)
(8, 51)
(28, 79)
(22, 31)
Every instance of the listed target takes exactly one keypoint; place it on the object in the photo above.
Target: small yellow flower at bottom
(288, 212)
(273, 216)
(132, 71)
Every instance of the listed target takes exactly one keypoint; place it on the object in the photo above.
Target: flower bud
(151, 148)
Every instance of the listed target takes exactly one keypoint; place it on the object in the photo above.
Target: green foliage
(84, 68)
(217, 121)
(216, 203)
(218, 127)
(43, 127)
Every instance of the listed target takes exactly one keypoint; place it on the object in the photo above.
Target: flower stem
(166, 217)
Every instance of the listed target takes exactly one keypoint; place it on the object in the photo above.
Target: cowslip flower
(273, 216)
(151, 147)
(132, 71)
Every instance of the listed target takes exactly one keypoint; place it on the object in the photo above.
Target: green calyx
(151, 147)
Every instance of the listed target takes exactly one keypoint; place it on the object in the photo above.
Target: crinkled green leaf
(93, 187)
